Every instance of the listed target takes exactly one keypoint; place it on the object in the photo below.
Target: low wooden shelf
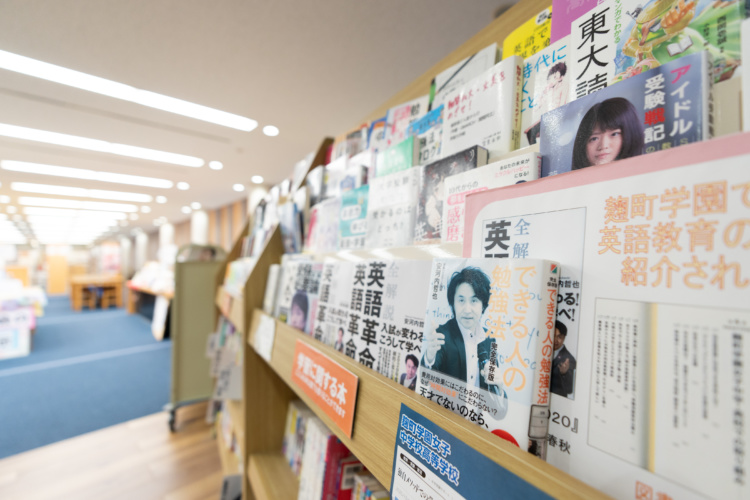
(271, 478)
(231, 307)
(376, 420)
(230, 463)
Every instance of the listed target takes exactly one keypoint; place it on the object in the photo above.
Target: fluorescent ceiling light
(133, 217)
(145, 209)
(4, 199)
(215, 165)
(257, 179)
(238, 187)
(195, 205)
(58, 212)
(101, 194)
(85, 205)
(186, 210)
(161, 199)
(270, 131)
(74, 141)
(183, 186)
(72, 78)
(81, 173)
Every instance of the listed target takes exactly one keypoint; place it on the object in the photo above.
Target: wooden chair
(89, 297)
(109, 297)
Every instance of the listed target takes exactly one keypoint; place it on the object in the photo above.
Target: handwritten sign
(332, 387)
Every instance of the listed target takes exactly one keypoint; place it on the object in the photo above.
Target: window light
(81, 173)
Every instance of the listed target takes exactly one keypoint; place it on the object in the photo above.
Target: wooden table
(81, 281)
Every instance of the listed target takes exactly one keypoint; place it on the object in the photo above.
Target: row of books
(326, 468)
(448, 322)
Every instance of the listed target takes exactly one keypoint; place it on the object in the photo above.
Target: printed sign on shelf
(332, 387)
(428, 462)
(264, 336)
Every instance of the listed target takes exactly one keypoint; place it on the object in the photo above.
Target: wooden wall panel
(212, 240)
(226, 240)
(238, 219)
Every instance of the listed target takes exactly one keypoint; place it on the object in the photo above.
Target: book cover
(545, 87)
(489, 329)
(486, 111)
(300, 170)
(334, 173)
(665, 107)
(348, 468)
(290, 221)
(386, 316)
(460, 73)
(529, 38)
(392, 209)
(745, 37)
(353, 218)
(566, 12)
(523, 168)
(432, 190)
(619, 39)
(315, 184)
(272, 288)
(398, 118)
(655, 263)
(397, 157)
(289, 267)
(323, 231)
(304, 301)
(335, 297)
(428, 132)
(376, 140)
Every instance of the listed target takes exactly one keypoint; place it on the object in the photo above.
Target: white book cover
(745, 37)
(332, 318)
(398, 118)
(334, 174)
(428, 135)
(460, 73)
(323, 231)
(287, 285)
(622, 38)
(304, 302)
(486, 111)
(545, 87)
(502, 173)
(386, 315)
(391, 210)
(656, 314)
(489, 331)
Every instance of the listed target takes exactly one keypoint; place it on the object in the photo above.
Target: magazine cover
(287, 284)
(334, 173)
(304, 302)
(529, 38)
(460, 73)
(521, 168)
(376, 141)
(432, 190)
(619, 39)
(332, 317)
(486, 111)
(545, 87)
(392, 209)
(387, 316)
(662, 108)
(353, 218)
(323, 231)
(291, 231)
(655, 253)
(397, 157)
(566, 12)
(428, 133)
(489, 332)
(398, 118)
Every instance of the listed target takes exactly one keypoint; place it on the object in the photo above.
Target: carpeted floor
(86, 371)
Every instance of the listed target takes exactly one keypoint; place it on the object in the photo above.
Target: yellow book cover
(529, 38)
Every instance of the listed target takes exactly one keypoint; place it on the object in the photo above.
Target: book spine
(539, 413)
(517, 97)
(708, 96)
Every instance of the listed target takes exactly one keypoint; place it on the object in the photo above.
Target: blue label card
(429, 463)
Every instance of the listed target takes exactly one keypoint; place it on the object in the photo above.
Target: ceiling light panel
(60, 212)
(81, 173)
(74, 141)
(101, 194)
(83, 81)
(75, 204)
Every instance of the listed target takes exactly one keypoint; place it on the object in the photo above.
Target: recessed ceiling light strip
(28, 187)
(81, 173)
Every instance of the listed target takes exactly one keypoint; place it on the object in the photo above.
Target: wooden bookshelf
(271, 478)
(230, 463)
(231, 307)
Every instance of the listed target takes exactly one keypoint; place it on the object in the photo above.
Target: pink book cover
(564, 12)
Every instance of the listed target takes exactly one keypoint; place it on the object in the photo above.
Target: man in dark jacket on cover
(563, 364)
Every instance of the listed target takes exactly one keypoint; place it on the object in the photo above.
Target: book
(565, 13)
(665, 107)
(489, 329)
(428, 132)
(272, 288)
(432, 190)
(641, 294)
(619, 39)
(376, 140)
(523, 168)
(397, 157)
(545, 87)
(460, 73)
(293, 444)
(392, 209)
(323, 231)
(334, 173)
(347, 469)
(398, 118)
(745, 37)
(332, 318)
(287, 284)
(353, 218)
(304, 301)
(290, 222)
(315, 184)
(529, 38)
(300, 170)
(486, 111)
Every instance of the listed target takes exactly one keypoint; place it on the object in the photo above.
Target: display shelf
(271, 478)
(230, 463)
(379, 402)
(231, 307)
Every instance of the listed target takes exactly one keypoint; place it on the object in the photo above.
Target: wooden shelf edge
(376, 421)
(271, 478)
(230, 464)
(236, 312)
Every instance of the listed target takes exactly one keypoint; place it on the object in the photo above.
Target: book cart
(267, 387)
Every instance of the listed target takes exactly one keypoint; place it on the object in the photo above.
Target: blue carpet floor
(86, 371)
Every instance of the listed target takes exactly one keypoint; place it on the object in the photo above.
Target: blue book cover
(353, 221)
(662, 108)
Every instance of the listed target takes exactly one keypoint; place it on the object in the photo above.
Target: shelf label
(332, 387)
(264, 336)
(428, 462)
